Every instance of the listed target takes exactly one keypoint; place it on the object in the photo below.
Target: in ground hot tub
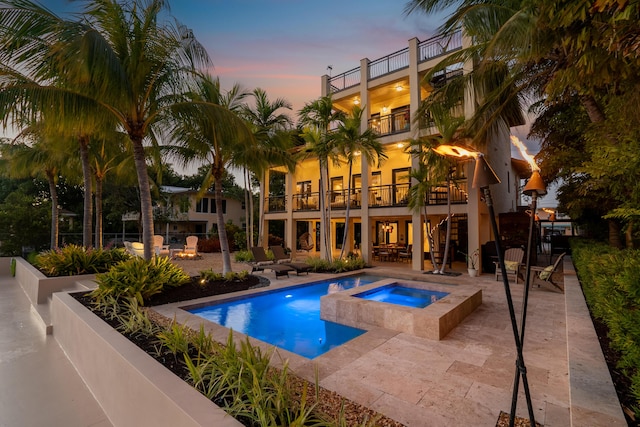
(370, 306)
(402, 295)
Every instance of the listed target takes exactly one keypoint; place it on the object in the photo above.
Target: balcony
(381, 196)
(428, 49)
(396, 122)
(276, 204)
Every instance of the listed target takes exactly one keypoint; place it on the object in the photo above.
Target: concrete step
(42, 312)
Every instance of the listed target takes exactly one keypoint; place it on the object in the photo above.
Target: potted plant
(472, 262)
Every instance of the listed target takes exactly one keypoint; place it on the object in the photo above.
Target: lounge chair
(543, 276)
(282, 258)
(512, 262)
(261, 261)
(192, 245)
(159, 246)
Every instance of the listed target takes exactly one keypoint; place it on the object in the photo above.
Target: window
(203, 205)
(303, 187)
(214, 208)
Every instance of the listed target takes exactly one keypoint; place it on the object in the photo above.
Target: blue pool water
(403, 295)
(289, 318)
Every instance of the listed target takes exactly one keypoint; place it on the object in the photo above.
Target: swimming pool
(289, 318)
(403, 295)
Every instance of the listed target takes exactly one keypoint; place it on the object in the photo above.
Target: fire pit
(182, 255)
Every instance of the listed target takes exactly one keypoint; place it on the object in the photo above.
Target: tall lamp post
(483, 177)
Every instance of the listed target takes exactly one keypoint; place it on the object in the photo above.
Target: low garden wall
(39, 287)
(132, 388)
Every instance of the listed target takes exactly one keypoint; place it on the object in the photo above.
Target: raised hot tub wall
(434, 321)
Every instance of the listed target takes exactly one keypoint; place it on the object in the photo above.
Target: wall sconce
(384, 109)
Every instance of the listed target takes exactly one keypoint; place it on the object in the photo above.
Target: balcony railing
(393, 195)
(306, 202)
(276, 204)
(399, 121)
(437, 46)
(428, 49)
(388, 64)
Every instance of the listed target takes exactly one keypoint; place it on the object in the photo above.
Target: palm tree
(118, 63)
(209, 128)
(109, 154)
(351, 142)
(272, 133)
(40, 159)
(432, 170)
(317, 117)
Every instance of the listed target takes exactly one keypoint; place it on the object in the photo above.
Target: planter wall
(132, 388)
(39, 287)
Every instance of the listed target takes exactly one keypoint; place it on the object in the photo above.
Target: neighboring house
(391, 89)
(181, 213)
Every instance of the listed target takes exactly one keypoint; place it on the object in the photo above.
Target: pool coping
(434, 321)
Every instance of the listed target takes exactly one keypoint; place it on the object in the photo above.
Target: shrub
(243, 256)
(338, 265)
(139, 279)
(209, 245)
(72, 260)
(609, 279)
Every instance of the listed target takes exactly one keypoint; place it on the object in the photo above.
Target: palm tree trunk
(430, 240)
(87, 230)
(222, 232)
(325, 250)
(595, 113)
(53, 192)
(98, 239)
(347, 211)
(146, 207)
(262, 208)
(445, 256)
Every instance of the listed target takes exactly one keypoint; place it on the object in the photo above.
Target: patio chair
(192, 245)
(159, 246)
(544, 275)
(135, 248)
(306, 243)
(282, 258)
(405, 253)
(512, 262)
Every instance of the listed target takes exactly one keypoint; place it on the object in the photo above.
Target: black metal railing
(459, 194)
(339, 199)
(345, 80)
(389, 63)
(276, 203)
(428, 49)
(306, 202)
(389, 195)
(439, 45)
(399, 121)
